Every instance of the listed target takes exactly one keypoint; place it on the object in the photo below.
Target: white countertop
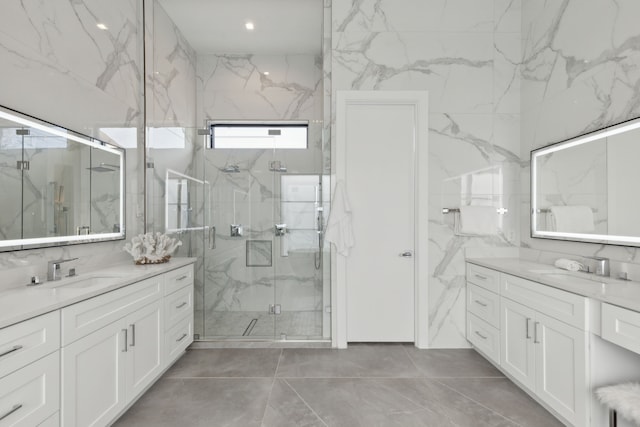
(19, 304)
(617, 292)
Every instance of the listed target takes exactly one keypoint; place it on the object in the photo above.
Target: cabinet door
(93, 387)
(31, 394)
(516, 349)
(561, 368)
(144, 355)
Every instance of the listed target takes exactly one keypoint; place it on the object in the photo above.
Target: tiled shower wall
(581, 72)
(466, 54)
(58, 66)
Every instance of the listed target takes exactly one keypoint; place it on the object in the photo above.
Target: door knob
(406, 254)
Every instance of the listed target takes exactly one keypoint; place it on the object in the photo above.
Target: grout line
(217, 378)
(305, 402)
(478, 403)
(331, 378)
(418, 404)
(273, 382)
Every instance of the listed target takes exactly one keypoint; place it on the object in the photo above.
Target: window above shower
(260, 135)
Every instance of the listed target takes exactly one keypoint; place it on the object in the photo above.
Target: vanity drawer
(28, 341)
(32, 394)
(178, 338)
(483, 277)
(484, 337)
(564, 306)
(621, 327)
(178, 278)
(178, 305)
(81, 319)
(484, 304)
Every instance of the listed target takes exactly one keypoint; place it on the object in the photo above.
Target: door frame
(417, 99)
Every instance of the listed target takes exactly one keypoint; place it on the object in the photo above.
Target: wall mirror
(59, 187)
(582, 189)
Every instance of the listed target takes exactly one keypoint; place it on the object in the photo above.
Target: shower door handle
(406, 254)
(212, 237)
(281, 229)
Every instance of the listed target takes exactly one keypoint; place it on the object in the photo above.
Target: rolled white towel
(568, 264)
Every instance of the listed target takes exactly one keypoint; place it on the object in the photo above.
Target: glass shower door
(299, 255)
(239, 255)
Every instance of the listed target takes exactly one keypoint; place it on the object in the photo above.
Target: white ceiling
(218, 26)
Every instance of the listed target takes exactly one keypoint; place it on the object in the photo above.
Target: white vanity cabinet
(541, 347)
(119, 345)
(88, 359)
(30, 372)
(536, 334)
(112, 364)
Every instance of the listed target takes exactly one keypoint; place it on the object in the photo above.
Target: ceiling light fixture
(266, 73)
(249, 26)
(102, 26)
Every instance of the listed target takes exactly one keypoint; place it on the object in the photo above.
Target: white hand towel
(568, 264)
(478, 220)
(573, 219)
(339, 226)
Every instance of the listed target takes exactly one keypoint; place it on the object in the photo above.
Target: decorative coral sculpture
(152, 248)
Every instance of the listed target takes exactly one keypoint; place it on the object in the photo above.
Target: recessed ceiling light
(266, 73)
(249, 25)
(102, 26)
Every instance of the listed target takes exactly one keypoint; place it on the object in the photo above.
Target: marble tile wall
(580, 72)
(466, 54)
(57, 65)
(171, 131)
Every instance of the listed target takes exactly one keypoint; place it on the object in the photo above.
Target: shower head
(231, 169)
(104, 167)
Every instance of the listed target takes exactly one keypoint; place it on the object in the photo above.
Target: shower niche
(60, 187)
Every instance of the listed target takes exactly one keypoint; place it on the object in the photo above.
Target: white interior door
(379, 177)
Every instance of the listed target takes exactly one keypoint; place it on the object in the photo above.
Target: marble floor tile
(200, 402)
(227, 362)
(367, 385)
(287, 409)
(460, 363)
(360, 360)
(504, 397)
(444, 401)
(363, 402)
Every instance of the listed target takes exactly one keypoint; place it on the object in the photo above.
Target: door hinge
(23, 132)
(22, 165)
(275, 309)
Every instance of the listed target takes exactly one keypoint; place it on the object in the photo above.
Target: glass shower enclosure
(264, 274)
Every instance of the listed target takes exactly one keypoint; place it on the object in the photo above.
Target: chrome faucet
(601, 266)
(53, 268)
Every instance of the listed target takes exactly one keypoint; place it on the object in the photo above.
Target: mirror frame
(60, 131)
(608, 239)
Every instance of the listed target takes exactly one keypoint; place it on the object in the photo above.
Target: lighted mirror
(59, 187)
(581, 188)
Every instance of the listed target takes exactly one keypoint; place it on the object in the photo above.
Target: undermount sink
(82, 282)
(571, 278)
(546, 271)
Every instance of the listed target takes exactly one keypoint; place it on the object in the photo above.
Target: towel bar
(500, 211)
